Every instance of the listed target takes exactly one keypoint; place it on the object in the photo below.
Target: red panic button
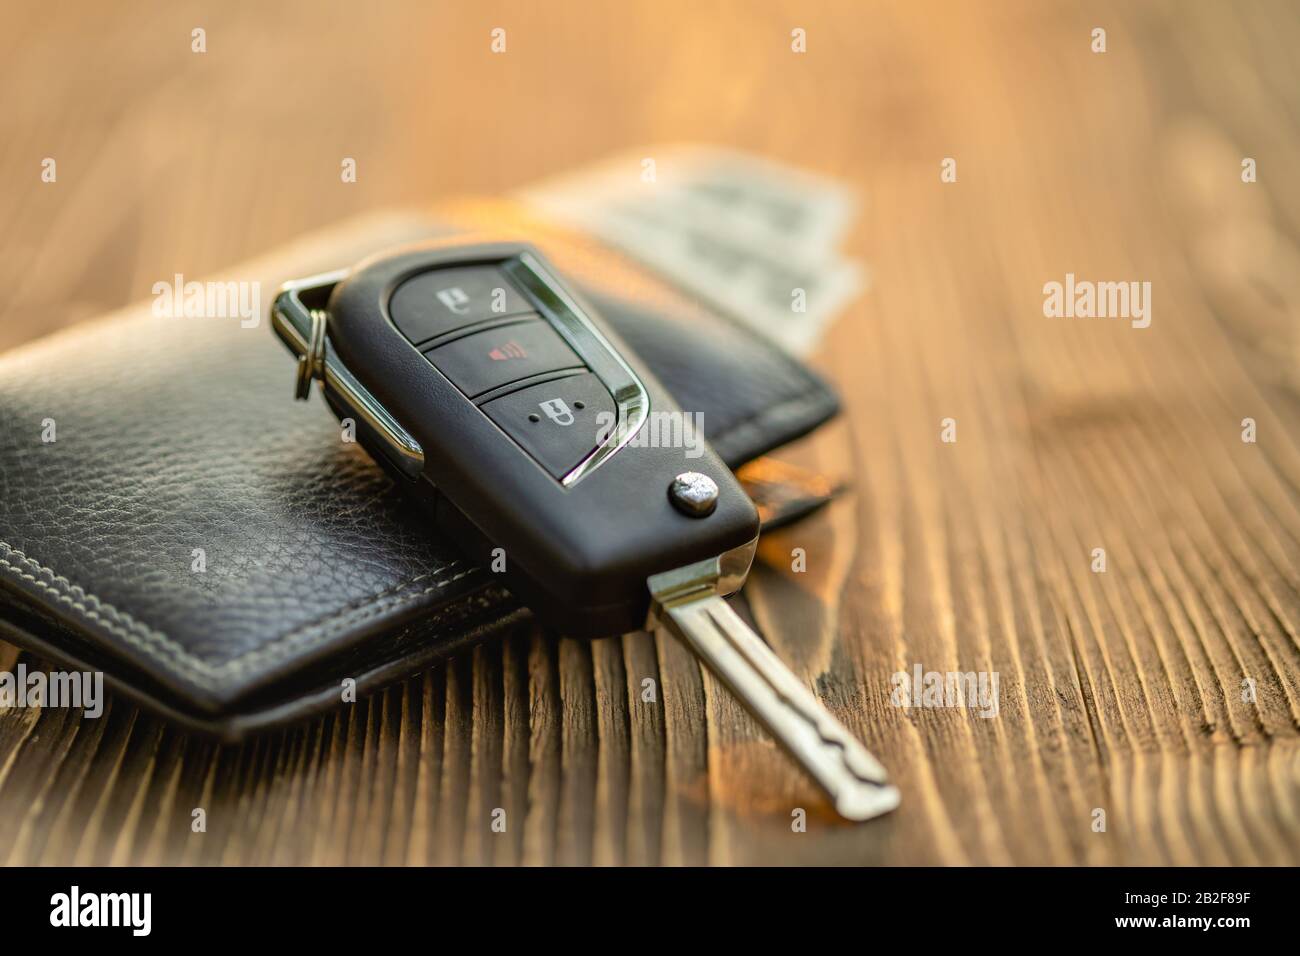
(486, 360)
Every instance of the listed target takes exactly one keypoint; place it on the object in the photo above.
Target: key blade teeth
(859, 787)
(864, 766)
(857, 759)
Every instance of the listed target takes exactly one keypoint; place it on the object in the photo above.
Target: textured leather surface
(179, 434)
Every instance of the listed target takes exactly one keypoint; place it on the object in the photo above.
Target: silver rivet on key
(694, 494)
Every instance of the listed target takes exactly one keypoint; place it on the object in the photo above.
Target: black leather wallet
(175, 436)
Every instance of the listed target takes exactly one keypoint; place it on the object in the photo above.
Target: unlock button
(559, 423)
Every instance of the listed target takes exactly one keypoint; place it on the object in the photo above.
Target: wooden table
(1126, 691)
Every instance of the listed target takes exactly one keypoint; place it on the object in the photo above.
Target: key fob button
(443, 300)
(559, 423)
(486, 360)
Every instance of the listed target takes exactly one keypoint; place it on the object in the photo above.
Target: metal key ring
(311, 364)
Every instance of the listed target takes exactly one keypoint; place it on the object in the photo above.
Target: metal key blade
(688, 602)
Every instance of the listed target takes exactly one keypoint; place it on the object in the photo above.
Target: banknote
(753, 238)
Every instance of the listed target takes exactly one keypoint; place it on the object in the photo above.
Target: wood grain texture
(1121, 691)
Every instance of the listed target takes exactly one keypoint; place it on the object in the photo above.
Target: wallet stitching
(198, 669)
(207, 674)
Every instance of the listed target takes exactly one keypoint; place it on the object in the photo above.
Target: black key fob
(533, 437)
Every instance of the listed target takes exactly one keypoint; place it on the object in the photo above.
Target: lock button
(559, 423)
(444, 300)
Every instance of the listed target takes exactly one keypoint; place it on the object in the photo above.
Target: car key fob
(539, 443)
(527, 418)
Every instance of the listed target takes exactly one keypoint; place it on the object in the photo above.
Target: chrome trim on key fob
(304, 331)
(568, 318)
